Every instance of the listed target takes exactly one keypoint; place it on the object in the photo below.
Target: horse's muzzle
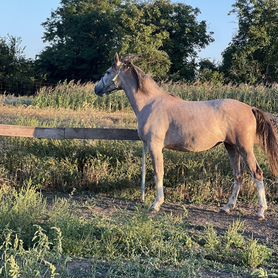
(99, 90)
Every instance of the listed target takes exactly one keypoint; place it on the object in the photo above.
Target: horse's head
(110, 81)
(119, 71)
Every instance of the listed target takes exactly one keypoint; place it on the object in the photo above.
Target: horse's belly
(192, 143)
(192, 148)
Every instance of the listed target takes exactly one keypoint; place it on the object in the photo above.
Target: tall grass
(260, 96)
(114, 168)
(80, 96)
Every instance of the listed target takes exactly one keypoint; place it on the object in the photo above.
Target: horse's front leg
(157, 158)
(143, 180)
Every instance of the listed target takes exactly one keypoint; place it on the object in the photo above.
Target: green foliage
(26, 249)
(212, 240)
(131, 243)
(16, 71)
(252, 55)
(19, 211)
(211, 76)
(235, 247)
(84, 36)
(115, 170)
(256, 254)
(260, 273)
(36, 261)
(145, 40)
(185, 35)
(234, 237)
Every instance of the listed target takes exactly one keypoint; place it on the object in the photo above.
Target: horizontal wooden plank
(14, 130)
(101, 133)
(49, 133)
(69, 133)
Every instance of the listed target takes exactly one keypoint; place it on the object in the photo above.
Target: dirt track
(200, 216)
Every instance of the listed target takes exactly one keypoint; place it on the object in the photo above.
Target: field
(71, 208)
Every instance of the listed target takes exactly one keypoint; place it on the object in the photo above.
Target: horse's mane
(145, 82)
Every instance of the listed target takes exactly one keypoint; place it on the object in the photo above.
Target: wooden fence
(69, 133)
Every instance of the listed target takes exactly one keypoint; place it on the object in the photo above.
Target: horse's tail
(268, 138)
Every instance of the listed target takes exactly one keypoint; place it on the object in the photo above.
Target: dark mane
(144, 81)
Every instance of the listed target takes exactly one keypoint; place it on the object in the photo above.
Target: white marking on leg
(157, 157)
(262, 198)
(160, 195)
(143, 181)
(233, 199)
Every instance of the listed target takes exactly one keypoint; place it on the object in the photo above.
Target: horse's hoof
(154, 209)
(260, 213)
(261, 217)
(153, 212)
(225, 210)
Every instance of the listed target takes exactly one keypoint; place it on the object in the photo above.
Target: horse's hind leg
(235, 160)
(157, 158)
(257, 174)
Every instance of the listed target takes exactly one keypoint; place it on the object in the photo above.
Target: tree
(82, 34)
(16, 72)
(145, 40)
(185, 35)
(209, 72)
(252, 56)
(85, 34)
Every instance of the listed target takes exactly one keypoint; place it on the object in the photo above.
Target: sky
(23, 18)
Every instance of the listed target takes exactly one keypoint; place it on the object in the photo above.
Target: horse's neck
(139, 98)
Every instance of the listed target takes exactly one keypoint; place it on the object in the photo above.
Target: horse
(167, 121)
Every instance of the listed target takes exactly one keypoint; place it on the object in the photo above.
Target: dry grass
(28, 115)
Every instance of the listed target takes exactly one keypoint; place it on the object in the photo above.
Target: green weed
(234, 248)
(38, 260)
(256, 254)
(124, 244)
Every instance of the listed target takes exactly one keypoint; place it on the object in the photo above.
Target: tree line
(83, 36)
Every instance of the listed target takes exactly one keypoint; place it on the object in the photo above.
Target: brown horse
(166, 121)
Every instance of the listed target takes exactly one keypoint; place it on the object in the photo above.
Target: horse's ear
(117, 59)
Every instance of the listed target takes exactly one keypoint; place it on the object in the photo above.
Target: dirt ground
(199, 217)
(203, 215)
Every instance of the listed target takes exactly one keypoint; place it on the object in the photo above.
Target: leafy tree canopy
(252, 56)
(83, 36)
(15, 69)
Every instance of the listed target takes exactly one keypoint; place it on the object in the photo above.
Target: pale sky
(23, 18)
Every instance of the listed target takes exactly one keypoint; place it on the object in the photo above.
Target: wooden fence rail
(69, 133)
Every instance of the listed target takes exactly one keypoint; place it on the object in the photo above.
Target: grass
(42, 236)
(115, 169)
(120, 245)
